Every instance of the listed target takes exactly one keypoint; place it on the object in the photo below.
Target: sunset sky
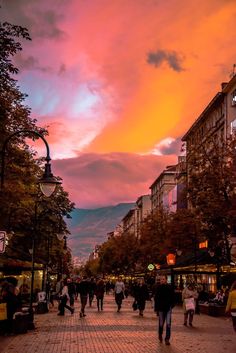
(118, 83)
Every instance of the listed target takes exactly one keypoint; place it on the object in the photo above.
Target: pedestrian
(99, 292)
(13, 302)
(108, 287)
(58, 289)
(141, 294)
(77, 288)
(231, 304)
(164, 302)
(219, 298)
(119, 292)
(71, 291)
(126, 293)
(64, 298)
(92, 288)
(84, 287)
(189, 297)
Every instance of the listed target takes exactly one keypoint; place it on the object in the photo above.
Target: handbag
(3, 311)
(135, 305)
(189, 304)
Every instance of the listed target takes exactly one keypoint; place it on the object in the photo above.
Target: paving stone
(110, 332)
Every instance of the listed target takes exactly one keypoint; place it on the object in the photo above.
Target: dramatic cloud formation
(108, 179)
(124, 76)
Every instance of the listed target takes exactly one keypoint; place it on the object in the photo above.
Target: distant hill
(89, 227)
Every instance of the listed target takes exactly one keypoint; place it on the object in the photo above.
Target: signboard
(203, 244)
(2, 241)
(151, 267)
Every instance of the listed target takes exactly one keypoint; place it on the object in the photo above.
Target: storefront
(21, 270)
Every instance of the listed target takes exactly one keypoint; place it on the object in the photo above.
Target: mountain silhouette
(89, 227)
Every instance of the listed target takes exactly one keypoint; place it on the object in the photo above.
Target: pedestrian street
(111, 332)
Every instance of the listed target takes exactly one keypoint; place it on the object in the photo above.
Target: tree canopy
(22, 209)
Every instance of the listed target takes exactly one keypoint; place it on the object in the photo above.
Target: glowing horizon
(122, 79)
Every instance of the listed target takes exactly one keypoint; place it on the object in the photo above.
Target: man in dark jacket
(164, 302)
(84, 287)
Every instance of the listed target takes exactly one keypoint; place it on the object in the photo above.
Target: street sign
(151, 267)
(2, 241)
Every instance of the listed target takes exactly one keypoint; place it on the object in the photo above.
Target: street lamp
(171, 260)
(47, 185)
(61, 236)
(48, 182)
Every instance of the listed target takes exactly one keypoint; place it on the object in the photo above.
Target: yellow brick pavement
(112, 332)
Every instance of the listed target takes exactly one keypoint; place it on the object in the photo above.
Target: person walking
(92, 288)
(64, 297)
(119, 292)
(189, 297)
(141, 294)
(84, 287)
(164, 302)
(13, 302)
(231, 304)
(71, 291)
(99, 292)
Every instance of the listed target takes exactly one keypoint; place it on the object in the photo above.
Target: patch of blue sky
(83, 102)
(40, 99)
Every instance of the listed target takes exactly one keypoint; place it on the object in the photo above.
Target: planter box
(212, 310)
(216, 310)
(204, 308)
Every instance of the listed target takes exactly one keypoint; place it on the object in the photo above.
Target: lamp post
(171, 260)
(47, 185)
(48, 182)
(61, 236)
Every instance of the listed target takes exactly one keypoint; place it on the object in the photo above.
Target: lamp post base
(31, 325)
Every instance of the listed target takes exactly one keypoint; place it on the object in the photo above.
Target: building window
(233, 126)
(234, 98)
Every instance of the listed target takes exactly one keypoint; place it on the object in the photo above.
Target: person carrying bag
(189, 295)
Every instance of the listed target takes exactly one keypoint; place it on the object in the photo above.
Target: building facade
(143, 209)
(162, 186)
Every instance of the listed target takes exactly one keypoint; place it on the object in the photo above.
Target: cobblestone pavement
(112, 332)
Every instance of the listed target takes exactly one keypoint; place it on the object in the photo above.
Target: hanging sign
(170, 258)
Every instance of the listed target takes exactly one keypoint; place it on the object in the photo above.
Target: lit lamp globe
(48, 182)
(170, 258)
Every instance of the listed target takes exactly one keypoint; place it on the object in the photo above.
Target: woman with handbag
(231, 304)
(189, 295)
(64, 297)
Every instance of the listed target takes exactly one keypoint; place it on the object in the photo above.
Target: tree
(154, 241)
(184, 230)
(20, 195)
(211, 189)
(118, 253)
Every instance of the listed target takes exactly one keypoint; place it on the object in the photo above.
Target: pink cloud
(95, 180)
